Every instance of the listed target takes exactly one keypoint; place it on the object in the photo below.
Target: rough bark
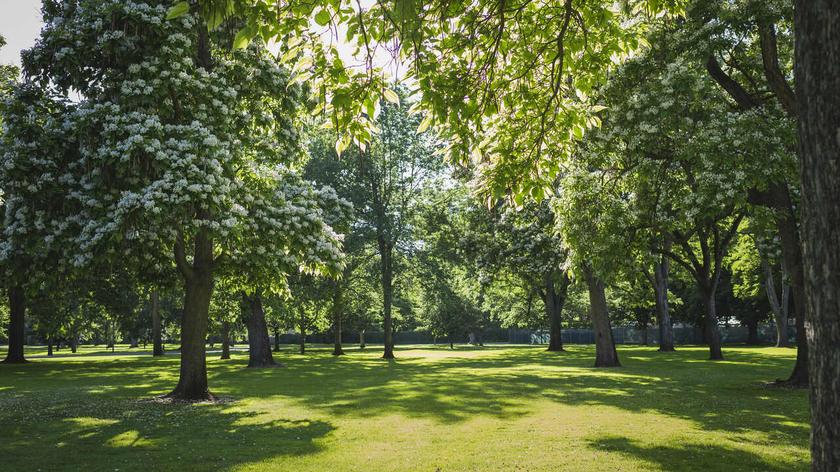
(776, 303)
(663, 311)
(554, 296)
(157, 326)
(387, 269)
(710, 322)
(259, 345)
(225, 340)
(198, 284)
(605, 353)
(817, 73)
(17, 320)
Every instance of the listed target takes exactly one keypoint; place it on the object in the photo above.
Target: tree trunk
(362, 339)
(752, 332)
(554, 300)
(198, 284)
(817, 77)
(49, 346)
(157, 338)
(663, 311)
(779, 316)
(710, 323)
(605, 353)
(259, 345)
(645, 333)
(74, 343)
(225, 340)
(134, 342)
(302, 339)
(17, 314)
(337, 308)
(385, 253)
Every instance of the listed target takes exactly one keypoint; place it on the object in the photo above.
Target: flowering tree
(185, 148)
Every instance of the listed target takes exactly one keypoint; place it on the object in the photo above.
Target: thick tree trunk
(225, 340)
(385, 253)
(192, 381)
(663, 311)
(710, 323)
(337, 308)
(605, 353)
(817, 74)
(554, 298)
(17, 315)
(157, 328)
(259, 345)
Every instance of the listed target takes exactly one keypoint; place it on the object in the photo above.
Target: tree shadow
(692, 457)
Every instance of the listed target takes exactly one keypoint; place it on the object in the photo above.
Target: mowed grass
(492, 408)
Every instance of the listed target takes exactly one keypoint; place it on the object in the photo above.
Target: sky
(20, 23)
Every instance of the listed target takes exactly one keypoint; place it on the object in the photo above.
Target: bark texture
(17, 318)
(259, 344)
(663, 311)
(605, 353)
(225, 340)
(710, 323)
(817, 73)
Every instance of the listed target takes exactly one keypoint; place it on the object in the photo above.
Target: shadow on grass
(435, 383)
(688, 457)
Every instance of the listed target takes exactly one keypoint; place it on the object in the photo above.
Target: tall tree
(817, 72)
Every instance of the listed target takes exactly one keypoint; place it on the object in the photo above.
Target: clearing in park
(491, 408)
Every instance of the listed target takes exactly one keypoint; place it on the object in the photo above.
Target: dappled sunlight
(507, 396)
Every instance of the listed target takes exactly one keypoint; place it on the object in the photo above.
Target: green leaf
(391, 96)
(323, 17)
(179, 9)
(424, 125)
(242, 39)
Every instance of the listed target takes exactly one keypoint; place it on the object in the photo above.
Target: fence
(630, 335)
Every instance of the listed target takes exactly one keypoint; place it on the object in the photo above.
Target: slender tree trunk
(605, 352)
(74, 343)
(385, 253)
(259, 345)
(663, 311)
(752, 332)
(337, 308)
(645, 333)
(49, 346)
(710, 323)
(225, 340)
(157, 337)
(779, 316)
(817, 74)
(554, 300)
(362, 339)
(17, 315)
(192, 381)
(302, 338)
(276, 339)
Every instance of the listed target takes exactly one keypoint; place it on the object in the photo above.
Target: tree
(817, 74)
(190, 143)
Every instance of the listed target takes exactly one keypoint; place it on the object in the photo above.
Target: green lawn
(497, 408)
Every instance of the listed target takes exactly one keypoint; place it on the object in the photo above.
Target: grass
(494, 408)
